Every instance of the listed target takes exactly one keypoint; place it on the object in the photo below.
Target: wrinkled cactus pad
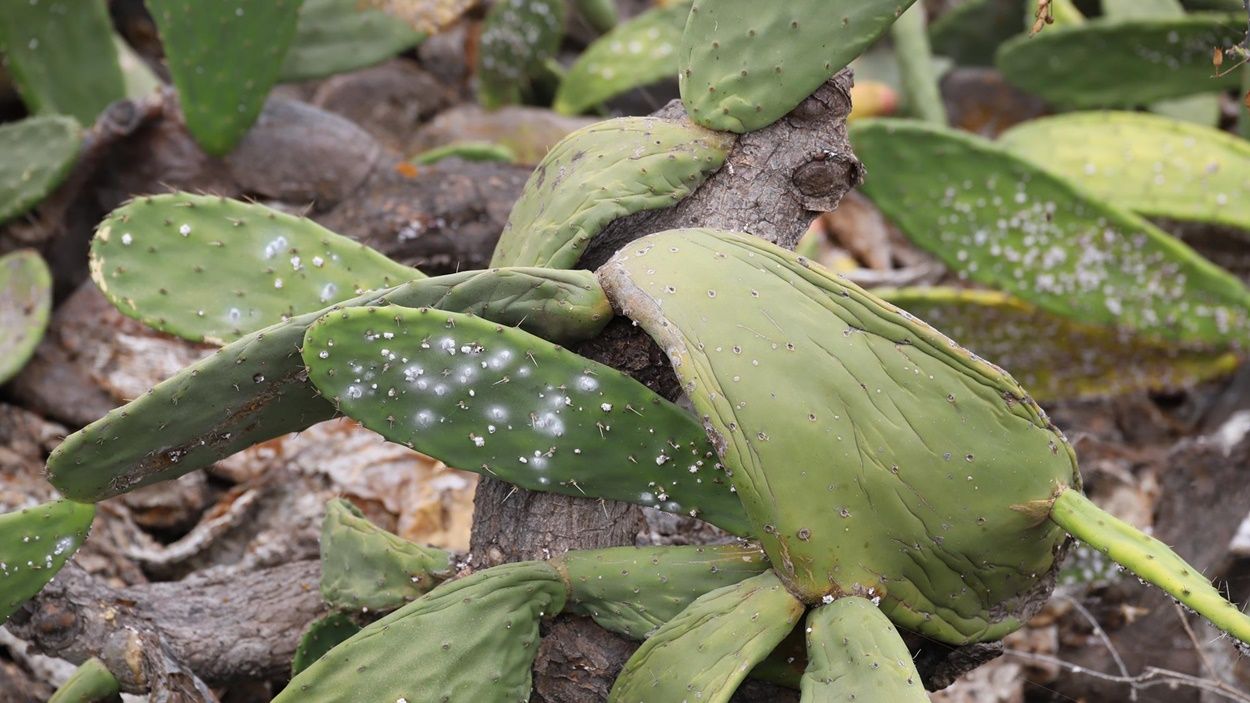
(855, 654)
(213, 270)
(484, 397)
(90, 683)
(889, 468)
(518, 38)
(473, 639)
(321, 636)
(25, 304)
(34, 544)
(602, 173)
(1005, 222)
(744, 64)
(38, 153)
(364, 566)
(336, 36)
(1151, 165)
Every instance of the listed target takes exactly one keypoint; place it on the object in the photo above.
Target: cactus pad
(61, 57)
(320, 637)
(473, 639)
(224, 57)
(1056, 358)
(214, 270)
(745, 64)
(25, 303)
(599, 14)
(1005, 222)
(599, 174)
(364, 566)
(855, 654)
(711, 646)
(467, 151)
(483, 397)
(637, 53)
(34, 544)
(256, 388)
(518, 38)
(889, 467)
(634, 590)
(38, 154)
(1138, 61)
(1151, 165)
(971, 32)
(90, 683)
(335, 36)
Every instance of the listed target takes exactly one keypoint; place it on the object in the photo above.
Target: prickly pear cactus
(745, 64)
(518, 38)
(211, 269)
(483, 397)
(224, 57)
(336, 36)
(34, 544)
(923, 448)
(639, 52)
(1003, 221)
(634, 590)
(61, 57)
(709, 648)
(320, 637)
(599, 174)
(256, 388)
(467, 151)
(1151, 165)
(25, 303)
(1054, 357)
(91, 683)
(1142, 8)
(364, 566)
(38, 153)
(855, 654)
(1138, 61)
(599, 14)
(971, 32)
(473, 639)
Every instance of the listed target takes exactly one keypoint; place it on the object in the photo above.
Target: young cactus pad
(61, 57)
(1054, 357)
(256, 388)
(320, 637)
(897, 459)
(473, 639)
(518, 38)
(499, 401)
(38, 153)
(224, 57)
(855, 654)
(639, 52)
(1151, 165)
(210, 269)
(745, 64)
(1139, 61)
(34, 544)
(1005, 222)
(90, 683)
(336, 36)
(599, 174)
(364, 566)
(25, 303)
(709, 648)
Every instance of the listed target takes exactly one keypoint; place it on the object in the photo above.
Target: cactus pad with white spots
(35, 543)
(518, 38)
(25, 304)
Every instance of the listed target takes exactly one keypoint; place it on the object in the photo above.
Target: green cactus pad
(889, 467)
(90, 683)
(1151, 165)
(467, 151)
(602, 173)
(518, 38)
(336, 36)
(483, 397)
(1005, 222)
(1056, 358)
(639, 52)
(25, 303)
(634, 590)
(320, 637)
(214, 270)
(1142, 8)
(709, 648)
(473, 639)
(364, 566)
(34, 544)
(599, 14)
(256, 388)
(917, 72)
(855, 654)
(745, 64)
(971, 32)
(224, 58)
(1149, 558)
(61, 57)
(1139, 61)
(38, 153)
